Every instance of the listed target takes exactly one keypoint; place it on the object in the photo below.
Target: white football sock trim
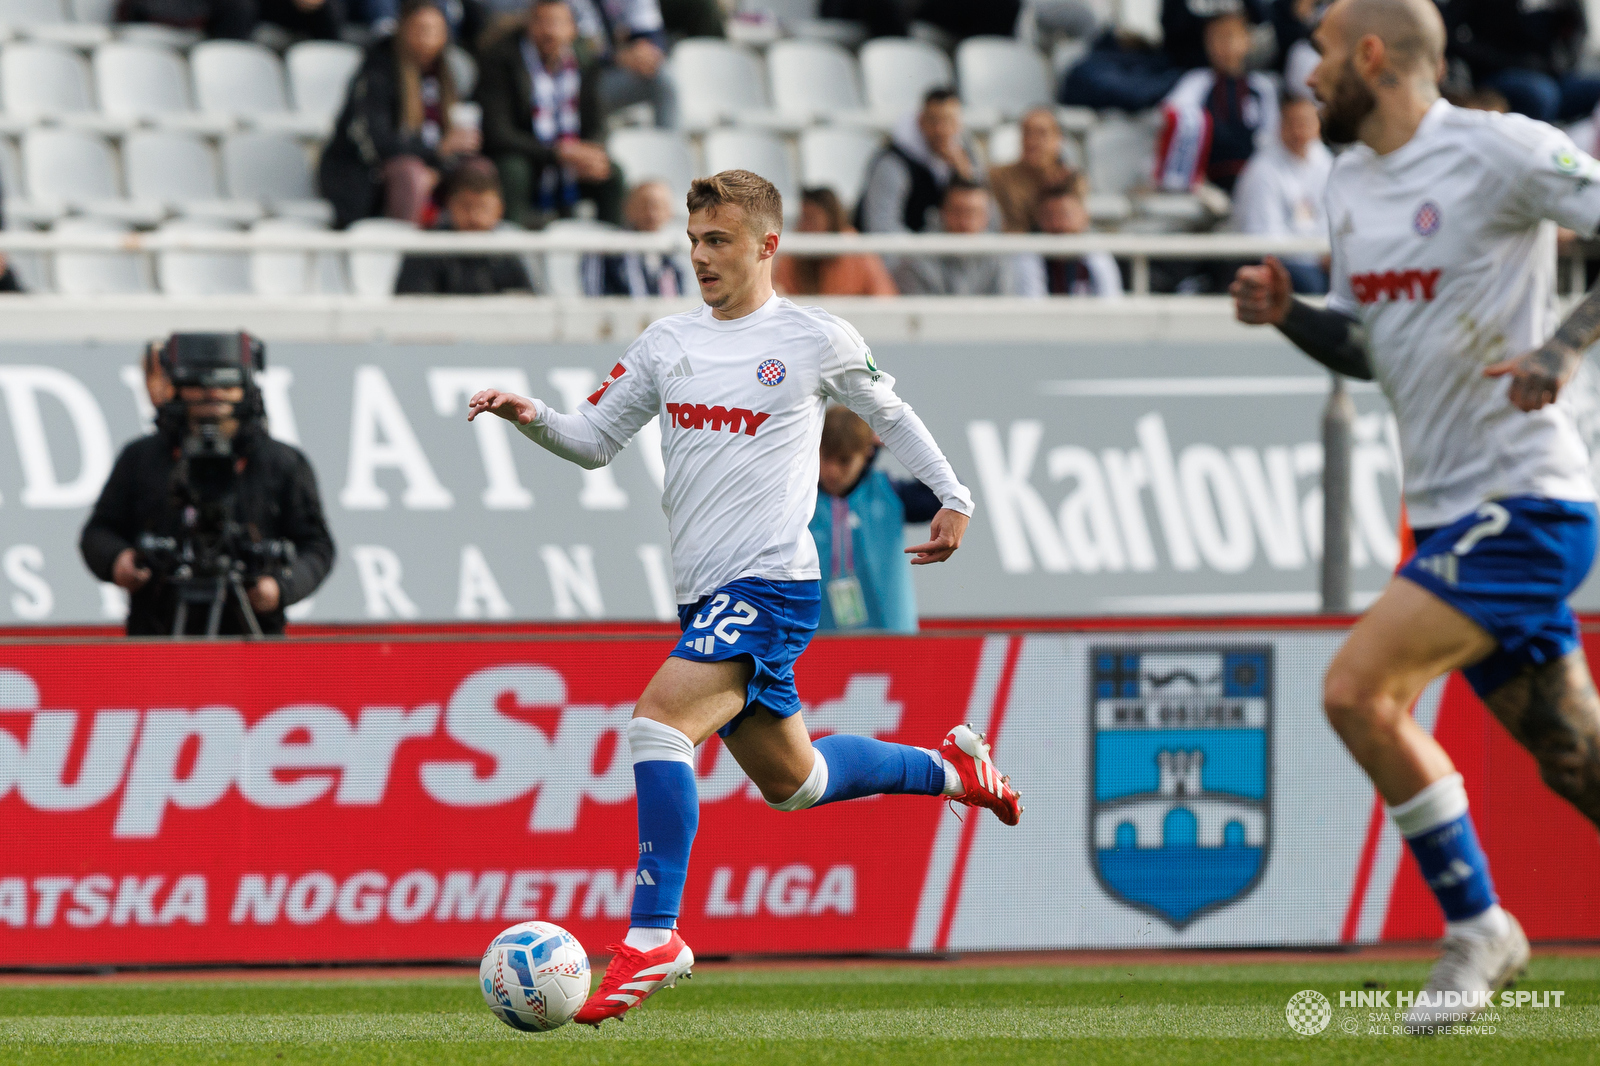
(1492, 924)
(1443, 801)
(952, 779)
(646, 938)
(652, 741)
(807, 795)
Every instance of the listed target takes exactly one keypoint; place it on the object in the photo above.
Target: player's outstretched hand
(947, 530)
(1261, 294)
(508, 405)
(1537, 376)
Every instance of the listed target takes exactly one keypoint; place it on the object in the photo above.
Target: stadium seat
(563, 271)
(100, 273)
(838, 159)
(651, 153)
(1000, 78)
(41, 81)
(202, 273)
(1005, 147)
(49, 20)
(76, 170)
(31, 267)
(146, 83)
(817, 81)
(246, 80)
(1121, 156)
(720, 82)
(760, 151)
(897, 72)
(373, 274)
(274, 168)
(295, 273)
(20, 211)
(179, 171)
(319, 76)
(154, 33)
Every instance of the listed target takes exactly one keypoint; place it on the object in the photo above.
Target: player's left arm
(1537, 376)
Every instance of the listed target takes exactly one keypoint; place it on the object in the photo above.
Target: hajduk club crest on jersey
(1178, 806)
(770, 372)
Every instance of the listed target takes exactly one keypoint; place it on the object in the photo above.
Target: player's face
(1346, 100)
(727, 254)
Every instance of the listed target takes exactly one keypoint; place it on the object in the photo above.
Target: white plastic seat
(291, 273)
(665, 155)
(76, 170)
(146, 83)
(49, 20)
(319, 77)
(43, 81)
(273, 168)
(202, 273)
(154, 33)
(720, 82)
(816, 81)
(838, 159)
(563, 271)
(20, 211)
(99, 273)
(1000, 77)
(373, 274)
(179, 171)
(758, 151)
(897, 73)
(1121, 156)
(1005, 147)
(246, 80)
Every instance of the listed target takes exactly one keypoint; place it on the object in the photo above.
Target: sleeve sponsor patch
(616, 372)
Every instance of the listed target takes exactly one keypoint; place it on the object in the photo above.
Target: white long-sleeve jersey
(741, 404)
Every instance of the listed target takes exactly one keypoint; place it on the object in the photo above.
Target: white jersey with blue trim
(741, 404)
(1445, 250)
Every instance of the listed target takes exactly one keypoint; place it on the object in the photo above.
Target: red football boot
(982, 785)
(633, 976)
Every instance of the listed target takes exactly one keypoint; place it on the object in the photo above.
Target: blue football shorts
(768, 622)
(1510, 566)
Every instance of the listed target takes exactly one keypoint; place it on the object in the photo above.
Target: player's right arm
(1262, 296)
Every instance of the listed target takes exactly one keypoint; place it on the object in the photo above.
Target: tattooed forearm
(1337, 342)
(1582, 326)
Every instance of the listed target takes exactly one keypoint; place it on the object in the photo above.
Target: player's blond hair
(758, 197)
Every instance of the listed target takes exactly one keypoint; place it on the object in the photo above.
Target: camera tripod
(212, 592)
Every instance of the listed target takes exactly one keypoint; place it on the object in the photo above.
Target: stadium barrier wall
(404, 799)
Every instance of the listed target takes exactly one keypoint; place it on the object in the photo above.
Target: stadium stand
(295, 273)
(148, 84)
(179, 171)
(1000, 78)
(838, 159)
(100, 273)
(274, 168)
(761, 151)
(182, 273)
(817, 81)
(645, 153)
(897, 72)
(319, 72)
(247, 80)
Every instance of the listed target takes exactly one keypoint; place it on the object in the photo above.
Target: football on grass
(535, 976)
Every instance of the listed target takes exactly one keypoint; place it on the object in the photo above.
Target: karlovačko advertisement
(385, 799)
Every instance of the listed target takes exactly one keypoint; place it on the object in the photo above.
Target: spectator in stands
(628, 39)
(1214, 117)
(1060, 209)
(907, 181)
(965, 18)
(1280, 192)
(692, 18)
(542, 122)
(1121, 71)
(859, 526)
(882, 18)
(1184, 22)
(472, 205)
(394, 136)
(8, 277)
(240, 19)
(1017, 187)
(1292, 22)
(467, 18)
(648, 210)
(1528, 52)
(839, 275)
(966, 210)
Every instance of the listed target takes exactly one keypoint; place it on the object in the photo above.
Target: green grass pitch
(847, 1014)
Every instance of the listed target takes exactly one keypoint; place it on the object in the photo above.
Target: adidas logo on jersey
(1394, 285)
(682, 370)
(699, 416)
(704, 645)
(1443, 566)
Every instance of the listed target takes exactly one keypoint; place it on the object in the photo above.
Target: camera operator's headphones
(217, 361)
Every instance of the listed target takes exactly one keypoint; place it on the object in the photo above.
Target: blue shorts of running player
(1510, 566)
(768, 622)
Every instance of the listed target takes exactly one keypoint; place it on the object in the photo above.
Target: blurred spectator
(840, 275)
(859, 526)
(628, 39)
(467, 18)
(1061, 210)
(542, 122)
(1183, 24)
(1213, 117)
(970, 18)
(966, 210)
(8, 277)
(1528, 51)
(472, 205)
(395, 133)
(1280, 192)
(1478, 100)
(907, 181)
(1292, 23)
(1017, 187)
(882, 18)
(648, 210)
(693, 18)
(1120, 72)
(239, 19)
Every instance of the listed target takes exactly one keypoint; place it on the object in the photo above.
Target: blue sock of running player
(1439, 830)
(669, 814)
(849, 767)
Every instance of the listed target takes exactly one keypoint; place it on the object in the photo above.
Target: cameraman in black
(211, 525)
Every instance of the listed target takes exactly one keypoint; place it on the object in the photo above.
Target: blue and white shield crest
(1179, 811)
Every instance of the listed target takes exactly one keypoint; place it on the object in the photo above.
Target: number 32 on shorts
(743, 614)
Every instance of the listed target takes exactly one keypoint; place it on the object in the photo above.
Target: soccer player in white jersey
(1442, 289)
(741, 385)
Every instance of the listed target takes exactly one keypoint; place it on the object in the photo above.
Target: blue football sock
(1438, 828)
(861, 766)
(669, 814)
